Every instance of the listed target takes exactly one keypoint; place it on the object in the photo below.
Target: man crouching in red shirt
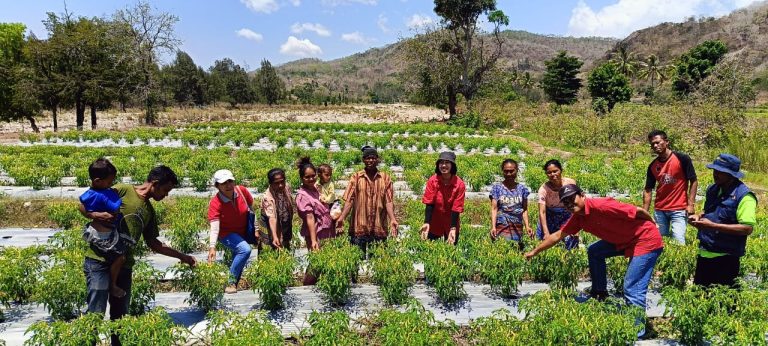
(624, 229)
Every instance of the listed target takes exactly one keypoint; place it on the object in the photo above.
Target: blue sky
(248, 31)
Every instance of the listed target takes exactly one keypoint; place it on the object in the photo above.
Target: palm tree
(653, 69)
(625, 61)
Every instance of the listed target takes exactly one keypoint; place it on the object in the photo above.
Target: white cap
(222, 176)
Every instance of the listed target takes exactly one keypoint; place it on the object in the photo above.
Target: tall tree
(472, 52)
(625, 61)
(608, 86)
(652, 69)
(696, 64)
(150, 33)
(237, 86)
(185, 80)
(269, 85)
(44, 60)
(80, 58)
(18, 92)
(559, 81)
(432, 74)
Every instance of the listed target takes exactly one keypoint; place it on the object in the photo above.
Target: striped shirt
(369, 199)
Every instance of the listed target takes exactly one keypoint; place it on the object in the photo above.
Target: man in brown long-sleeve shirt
(369, 198)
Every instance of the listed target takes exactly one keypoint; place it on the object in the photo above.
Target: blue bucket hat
(727, 163)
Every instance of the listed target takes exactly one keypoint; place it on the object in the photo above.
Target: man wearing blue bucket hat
(727, 220)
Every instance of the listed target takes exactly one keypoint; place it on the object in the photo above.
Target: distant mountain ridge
(361, 71)
(744, 31)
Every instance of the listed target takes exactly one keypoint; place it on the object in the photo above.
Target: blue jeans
(676, 220)
(97, 279)
(638, 275)
(241, 251)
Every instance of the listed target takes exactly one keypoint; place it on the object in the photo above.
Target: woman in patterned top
(552, 212)
(277, 211)
(509, 206)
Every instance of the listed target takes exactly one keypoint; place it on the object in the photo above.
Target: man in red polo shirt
(624, 229)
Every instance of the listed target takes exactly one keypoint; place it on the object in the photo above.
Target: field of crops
(208, 148)
(50, 275)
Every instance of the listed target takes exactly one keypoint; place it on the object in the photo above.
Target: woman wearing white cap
(228, 213)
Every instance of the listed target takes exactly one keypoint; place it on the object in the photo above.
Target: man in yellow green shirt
(727, 220)
(139, 220)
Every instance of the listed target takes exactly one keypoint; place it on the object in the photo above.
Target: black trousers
(722, 270)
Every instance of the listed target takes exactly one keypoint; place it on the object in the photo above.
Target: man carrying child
(138, 219)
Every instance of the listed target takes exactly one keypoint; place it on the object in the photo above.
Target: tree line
(92, 64)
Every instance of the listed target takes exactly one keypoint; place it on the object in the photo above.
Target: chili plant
(502, 266)
(65, 214)
(677, 264)
(393, 271)
(444, 271)
(145, 281)
(555, 318)
(270, 276)
(153, 328)
(19, 272)
(617, 269)
(85, 330)
(414, 326)
(330, 328)
(205, 283)
(501, 328)
(227, 328)
(335, 264)
(717, 315)
(62, 287)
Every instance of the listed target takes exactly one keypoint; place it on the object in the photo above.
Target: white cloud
(295, 2)
(319, 29)
(301, 48)
(250, 34)
(348, 2)
(357, 37)
(418, 21)
(382, 23)
(625, 16)
(264, 6)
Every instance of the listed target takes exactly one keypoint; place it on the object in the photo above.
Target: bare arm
(96, 215)
(547, 243)
(312, 230)
(526, 221)
(392, 220)
(692, 188)
(157, 246)
(734, 229)
(646, 199)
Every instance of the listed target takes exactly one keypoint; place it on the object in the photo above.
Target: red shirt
(615, 223)
(673, 177)
(446, 198)
(231, 214)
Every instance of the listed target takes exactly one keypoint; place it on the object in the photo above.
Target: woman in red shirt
(227, 213)
(444, 200)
